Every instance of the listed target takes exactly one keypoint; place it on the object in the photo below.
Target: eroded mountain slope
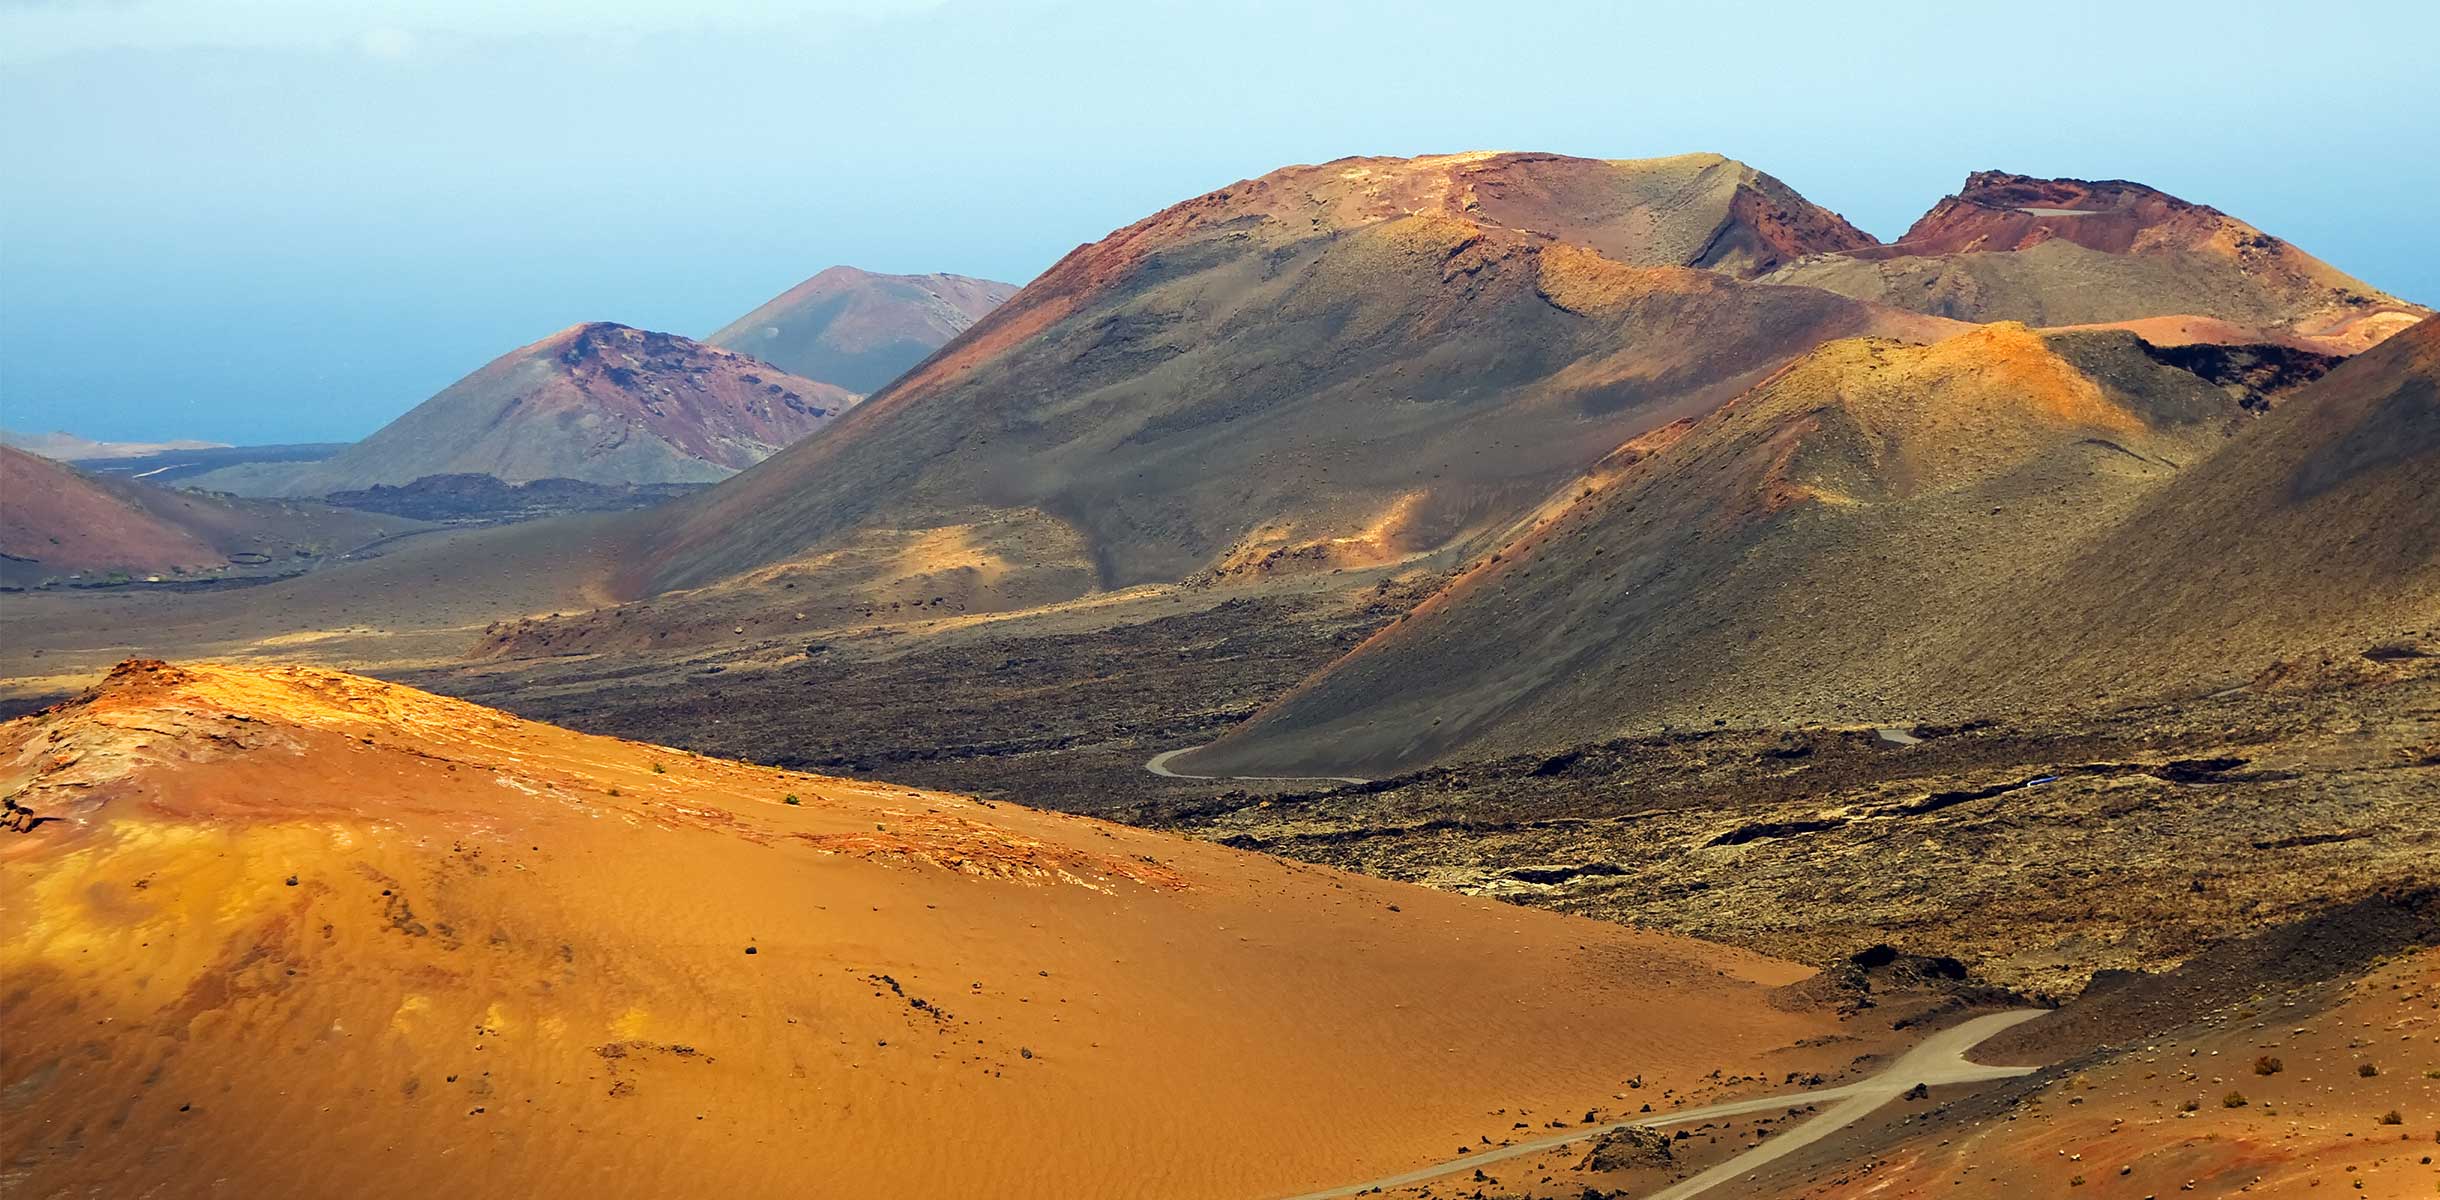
(1811, 551)
(1367, 358)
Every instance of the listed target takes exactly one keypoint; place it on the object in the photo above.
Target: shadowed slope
(2321, 524)
(1402, 350)
(2072, 252)
(600, 403)
(299, 931)
(56, 521)
(859, 330)
(1809, 552)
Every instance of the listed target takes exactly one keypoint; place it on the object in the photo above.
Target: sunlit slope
(1817, 550)
(289, 931)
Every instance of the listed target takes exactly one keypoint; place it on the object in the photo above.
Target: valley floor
(2031, 855)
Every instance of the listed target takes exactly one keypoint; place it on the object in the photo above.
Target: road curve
(1940, 1058)
(1158, 764)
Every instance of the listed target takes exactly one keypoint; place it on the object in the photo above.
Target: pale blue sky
(277, 220)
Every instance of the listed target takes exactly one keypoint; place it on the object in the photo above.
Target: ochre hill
(860, 330)
(1884, 533)
(2071, 252)
(57, 522)
(300, 932)
(600, 403)
(1354, 361)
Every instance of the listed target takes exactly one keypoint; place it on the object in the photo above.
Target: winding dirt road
(1940, 1058)
(1158, 764)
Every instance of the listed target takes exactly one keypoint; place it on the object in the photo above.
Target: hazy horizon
(294, 224)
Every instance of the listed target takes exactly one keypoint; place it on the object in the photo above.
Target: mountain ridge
(2083, 252)
(1304, 281)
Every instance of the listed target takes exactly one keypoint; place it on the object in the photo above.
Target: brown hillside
(1807, 553)
(600, 403)
(301, 932)
(2071, 252)
(1401, 351)
(860, 330)
(57, 522)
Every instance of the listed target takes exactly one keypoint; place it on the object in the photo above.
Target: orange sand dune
(293, 932)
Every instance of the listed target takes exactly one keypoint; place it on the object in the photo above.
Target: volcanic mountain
(57, 522)
(304, 932)
(860, 330)
(599, 403)
(1885, 533)
(2072, 252)
(1344, 363)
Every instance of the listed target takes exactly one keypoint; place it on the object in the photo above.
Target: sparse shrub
(2190, 1106)
(658, 769)
(2367, 1070)
(614, 791)
(2266, 1065)
(2393, 1117)
(790, 798)
(2233, 1100)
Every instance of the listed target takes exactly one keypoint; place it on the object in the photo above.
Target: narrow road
(1940, 1058)
(1158, 764)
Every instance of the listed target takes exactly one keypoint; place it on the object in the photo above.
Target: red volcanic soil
(721, 408)
(2000, 211)
(860, 330)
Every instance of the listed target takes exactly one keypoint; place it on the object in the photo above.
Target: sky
(292, 220)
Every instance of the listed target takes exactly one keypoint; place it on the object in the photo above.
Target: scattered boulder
(1627, 1150)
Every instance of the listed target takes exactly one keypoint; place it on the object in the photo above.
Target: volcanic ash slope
(302, 932)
